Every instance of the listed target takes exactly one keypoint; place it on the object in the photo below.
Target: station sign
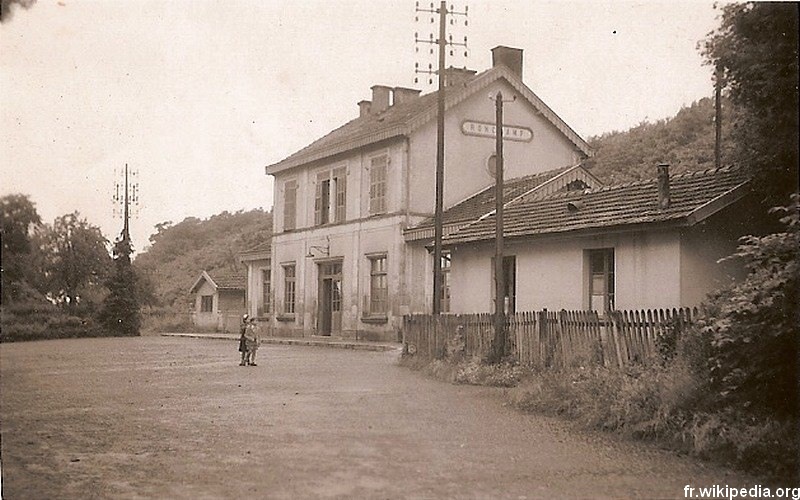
(483, 129)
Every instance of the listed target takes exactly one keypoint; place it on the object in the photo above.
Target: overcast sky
(200, 95)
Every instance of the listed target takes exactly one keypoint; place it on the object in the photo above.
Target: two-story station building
(340, 262)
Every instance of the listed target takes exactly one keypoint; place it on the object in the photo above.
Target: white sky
(200, 95)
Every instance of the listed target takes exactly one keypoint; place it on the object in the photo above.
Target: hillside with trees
(685, 141)
(178, 252)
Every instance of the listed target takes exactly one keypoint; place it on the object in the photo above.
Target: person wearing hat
(243, 340)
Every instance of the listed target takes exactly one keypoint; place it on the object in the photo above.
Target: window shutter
(289, 205)
(340, 176)
(318, 202)
(377, 185)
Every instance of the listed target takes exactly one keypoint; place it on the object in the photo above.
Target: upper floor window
(330, 200)
(377, 184)
(601, 279)
(289, 205)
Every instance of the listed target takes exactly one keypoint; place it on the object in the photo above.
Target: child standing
(243, 340)
(251, 340)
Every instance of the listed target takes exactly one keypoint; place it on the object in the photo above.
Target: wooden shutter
(289, 205)
(340, 177)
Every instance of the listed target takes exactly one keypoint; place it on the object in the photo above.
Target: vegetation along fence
(552, 339)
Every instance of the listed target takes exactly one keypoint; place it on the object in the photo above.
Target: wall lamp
(324, 250)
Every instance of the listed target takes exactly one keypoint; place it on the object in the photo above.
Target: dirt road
(159, 417)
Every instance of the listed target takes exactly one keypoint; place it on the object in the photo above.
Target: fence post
(543, 344)
(615, 335)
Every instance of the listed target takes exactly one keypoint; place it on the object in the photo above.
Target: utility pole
(125, 199)
(718, 118)
(442, 42)
(499, 272)
(119, 313)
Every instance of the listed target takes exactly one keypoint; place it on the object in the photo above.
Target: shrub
(475, 372)
(166, 320)
(754, 327)
(22, 321)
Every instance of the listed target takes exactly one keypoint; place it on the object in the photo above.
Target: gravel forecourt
(160, 417)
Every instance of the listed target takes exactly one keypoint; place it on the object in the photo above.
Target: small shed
(219, 301)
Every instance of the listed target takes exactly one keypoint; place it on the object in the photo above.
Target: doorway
(510, 282)
(329, 316)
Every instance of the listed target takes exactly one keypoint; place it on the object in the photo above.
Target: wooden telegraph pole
(442, 43)
(718, 118)
(499, 350)
(125, 199)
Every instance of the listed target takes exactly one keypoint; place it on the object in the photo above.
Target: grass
(666, 403)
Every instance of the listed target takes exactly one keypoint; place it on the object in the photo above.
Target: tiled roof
(260, 248)
(229, 281)
(371, 128)
(484, 202)
(693, 196)
(401, 119)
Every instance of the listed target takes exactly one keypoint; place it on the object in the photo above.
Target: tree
(178, 252)
(120, 311)
(5, 7)
(685, 141)
(756, 47)
(76, 260)
(753, 325)
(17, 217)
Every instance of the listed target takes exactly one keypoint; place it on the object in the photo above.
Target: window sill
(285, 317)
(376, 319)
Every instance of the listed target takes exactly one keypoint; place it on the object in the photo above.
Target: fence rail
(551, 339)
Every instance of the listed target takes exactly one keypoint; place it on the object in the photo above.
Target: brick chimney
(363, 108)
(508, 56)
(381, 98)
(457, 76)
(403, 94)
(663, 185)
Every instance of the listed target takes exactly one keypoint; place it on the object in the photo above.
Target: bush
(165, 319)
(27, 321)
(754, 326)
(475, 372)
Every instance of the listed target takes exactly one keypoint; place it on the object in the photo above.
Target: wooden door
(330, 298)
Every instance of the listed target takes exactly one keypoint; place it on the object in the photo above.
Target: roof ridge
(539, 174)
(682, 175)
(410, 115)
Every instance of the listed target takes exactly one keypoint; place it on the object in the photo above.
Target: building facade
(258, 281)
(219, 301)
(340, 263)
(649, 244)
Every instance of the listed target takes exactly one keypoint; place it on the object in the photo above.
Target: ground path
(156, 417)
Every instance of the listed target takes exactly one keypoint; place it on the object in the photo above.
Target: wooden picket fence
(550, 339)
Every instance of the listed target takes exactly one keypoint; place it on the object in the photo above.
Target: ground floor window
(289, 288)
(265, 291)
(509, 283)
(445, 303)
(207, 303)
(601, 279)
(378, 285)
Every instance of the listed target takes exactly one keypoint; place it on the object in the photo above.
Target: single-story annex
(219, 301)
